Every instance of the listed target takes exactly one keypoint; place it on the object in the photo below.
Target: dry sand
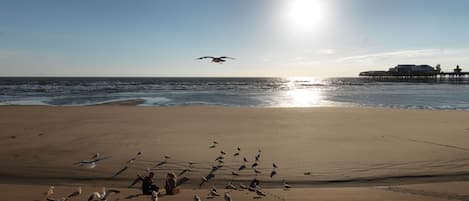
(352, 153)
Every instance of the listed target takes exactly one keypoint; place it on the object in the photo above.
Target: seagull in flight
(216, 59)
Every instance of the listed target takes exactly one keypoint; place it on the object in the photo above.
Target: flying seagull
(216, 59)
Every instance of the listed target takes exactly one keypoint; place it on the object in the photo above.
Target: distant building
(406, 70)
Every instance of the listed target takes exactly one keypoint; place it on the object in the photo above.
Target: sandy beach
(347, 153)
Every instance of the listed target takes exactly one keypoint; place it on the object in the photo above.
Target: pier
(414, 72)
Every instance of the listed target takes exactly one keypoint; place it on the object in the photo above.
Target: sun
(305, 14)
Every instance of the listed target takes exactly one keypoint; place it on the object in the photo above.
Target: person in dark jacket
(147, 184)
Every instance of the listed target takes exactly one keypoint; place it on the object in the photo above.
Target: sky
(268, 38)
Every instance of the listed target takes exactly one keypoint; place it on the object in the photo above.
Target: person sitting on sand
(147, 184)
(170, 184)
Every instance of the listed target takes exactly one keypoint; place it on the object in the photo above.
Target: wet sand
(350, 152)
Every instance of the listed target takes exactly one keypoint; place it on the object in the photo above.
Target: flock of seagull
(213, 192)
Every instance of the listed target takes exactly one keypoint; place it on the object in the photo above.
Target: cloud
(394, 55)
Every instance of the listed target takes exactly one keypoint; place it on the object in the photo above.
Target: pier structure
(409, 72)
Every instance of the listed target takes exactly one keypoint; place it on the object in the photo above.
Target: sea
(236, 92)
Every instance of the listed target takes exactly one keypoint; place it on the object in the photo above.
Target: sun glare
(305, 14)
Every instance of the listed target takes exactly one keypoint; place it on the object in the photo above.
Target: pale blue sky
(163, 37)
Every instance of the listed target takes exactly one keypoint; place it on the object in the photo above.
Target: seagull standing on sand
(76, 193)
(286, 185)
(50, 191)
(197, 198)
(219, 60)
(228, 197)
(154, 196)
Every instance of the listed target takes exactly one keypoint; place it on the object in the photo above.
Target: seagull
(307, 173)
(255, 164)
(154, 196)
(231, 186)
(228, 197)
(216, 59)
(91, 163)
(256, 171)
(242, 186)
(235, 174)
(101, 196)
(236, 154)
(50, 191)
(259, 192)
(213, 193)
(245, 160)
(222, 152)
(219, 158)
(242, 167)
(273, 173)
(76, 193)
(197, 198)
(274, 165)
(286, 185)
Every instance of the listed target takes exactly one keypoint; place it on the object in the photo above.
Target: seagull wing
(205, 57)
(225, 57)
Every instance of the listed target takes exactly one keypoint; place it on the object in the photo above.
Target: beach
(325, 153)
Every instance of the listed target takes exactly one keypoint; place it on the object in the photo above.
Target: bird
(50, 191)
(216, 59)
(234, 174)
(236, 154)
(96, 196)
(231, 186)
(245, 160)
(219, 158)
(222, 152)
(76, 193)
(259, 192)
(239, 149)
(242, 186)
(154, 196)
(91, 163)
(242, 167)
(307, 173)
(213, 193)
(255, 164)
(166, 157)
(273, 173)
(274, 165)
(257, 171)
(286, 185)
(228, 197)
(197, 198)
